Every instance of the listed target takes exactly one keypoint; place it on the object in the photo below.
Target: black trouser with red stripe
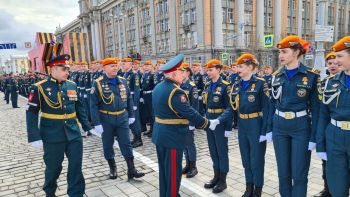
(170, 170)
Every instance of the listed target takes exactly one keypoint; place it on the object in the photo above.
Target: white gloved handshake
(213, 124)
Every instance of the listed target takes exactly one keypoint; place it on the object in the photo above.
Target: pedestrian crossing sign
(268, 41)
(224, 56)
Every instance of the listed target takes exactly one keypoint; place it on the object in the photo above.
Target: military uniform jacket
(253, 99)
(60, 108)
(173, 114)
(296, 94)
(133, 81)
(105, 96)
(191, 90)
(198, 80)
(217, 99)
(335, 105)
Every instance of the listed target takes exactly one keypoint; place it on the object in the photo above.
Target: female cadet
(250, 97)
(190, 150)
(332, 69)
(295, 105)
(333, 136)
(215, 96)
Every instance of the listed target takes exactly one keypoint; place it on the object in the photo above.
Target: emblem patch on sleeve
(183, 99)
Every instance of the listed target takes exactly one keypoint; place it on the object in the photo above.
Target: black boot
(192, 171)
(132, 172)
(325, 192)
(137, 142)
(214, 181)
(221, 185)
(257, 192)
(112, 169)
(186, 168)
(249, 190)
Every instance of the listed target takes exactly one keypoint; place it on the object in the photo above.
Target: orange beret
(108, 61)
(127, 59)
(196, 64)
(267, 66)
(161, 61)
(330, 55)
(136, 62)
(233, 64)
(290, 41)
(148, 62)
(213, 63)
(342, 44)
(83, 62)
(185, 65)
(245, 58)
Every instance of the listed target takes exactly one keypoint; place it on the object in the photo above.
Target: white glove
(312, 146)
(37, 144)
(134, 108)
(85, 95)
(262, 138)
(228, 133)
(191, 128)
(269, 136)
(131, 120)
(322, 155)
(200, 98)
(213, 124)
(142, 101)
(98, 130)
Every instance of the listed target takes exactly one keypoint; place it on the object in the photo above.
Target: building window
(195, 39)
(224, 15)
(248, 18)
(166, 7)
(230, 15)
(193, 16)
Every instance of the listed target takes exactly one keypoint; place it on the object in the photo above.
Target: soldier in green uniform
(59, 134)
(173, 114)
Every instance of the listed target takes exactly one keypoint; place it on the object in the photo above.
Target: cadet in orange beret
(216, 98)
(198, 80)
(250, 98)
(295, 100)
(112, 112)
(190, 150)
(147, 86)
(134, 85)
(333, 139)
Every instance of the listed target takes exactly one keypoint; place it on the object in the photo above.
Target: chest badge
(305, 80)
(216, 99)
(301, 92)
(251, 98)
(253, 87)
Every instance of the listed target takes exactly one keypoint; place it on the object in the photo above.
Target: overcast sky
(21, 19)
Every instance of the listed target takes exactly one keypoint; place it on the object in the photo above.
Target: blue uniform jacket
(108, 97)
(296, 94)
(335, 105)
(255, 98)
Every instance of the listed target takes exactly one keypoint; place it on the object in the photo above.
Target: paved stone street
(22, 167)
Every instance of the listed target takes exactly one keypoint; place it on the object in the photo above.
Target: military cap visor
(62, 61)
(173, 64)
